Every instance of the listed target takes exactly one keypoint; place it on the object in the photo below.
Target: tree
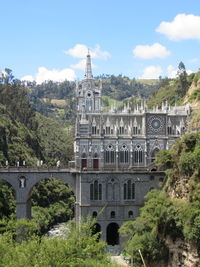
(182, 78)
(8, 76)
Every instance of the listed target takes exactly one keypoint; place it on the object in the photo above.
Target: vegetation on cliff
(173, 212)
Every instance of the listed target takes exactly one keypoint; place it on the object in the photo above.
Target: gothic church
(114, 155)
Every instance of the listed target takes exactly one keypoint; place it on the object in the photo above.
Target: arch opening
(7, 199)
(112, 234)
(52, 201)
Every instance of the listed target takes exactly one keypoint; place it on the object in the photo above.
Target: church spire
(88, 68)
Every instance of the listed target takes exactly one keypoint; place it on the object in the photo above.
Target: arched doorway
(112, 234)
(95, 161)
(84, 161)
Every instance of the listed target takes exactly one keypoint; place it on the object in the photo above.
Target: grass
(107, 102)
(148, 81)
(195, 95)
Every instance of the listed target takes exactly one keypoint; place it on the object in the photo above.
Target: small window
(94, 129)
(161, 179)
(121, 130)
(124, 154)
(94, 214)
(151, 177)
(135, 130)
(129, 190)
(109, 155)
(138, 154)
(169, 130)
(112, 214)
(95, 191)
(107, 130)
(130, 214)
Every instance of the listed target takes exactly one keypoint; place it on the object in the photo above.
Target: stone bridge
(23, 180)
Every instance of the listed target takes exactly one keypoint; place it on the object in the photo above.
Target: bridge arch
(23, 180)
(7, 199)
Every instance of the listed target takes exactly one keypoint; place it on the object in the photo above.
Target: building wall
(112, 199)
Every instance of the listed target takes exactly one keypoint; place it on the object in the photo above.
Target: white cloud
(151, 72)
(182, 27)
(172, 72)
(55, 75)
(81, 51)
(150, 51)
(81, 65)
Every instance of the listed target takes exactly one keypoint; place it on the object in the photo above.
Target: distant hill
(148, 81)
(27, 136)
(57, 100)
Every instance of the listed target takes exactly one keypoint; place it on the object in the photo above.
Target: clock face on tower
(155, 124)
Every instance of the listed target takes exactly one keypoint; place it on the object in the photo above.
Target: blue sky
(48, 39)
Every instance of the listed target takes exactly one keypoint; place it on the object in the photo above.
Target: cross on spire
(88, 68)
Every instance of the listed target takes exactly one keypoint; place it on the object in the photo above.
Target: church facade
(114, 154)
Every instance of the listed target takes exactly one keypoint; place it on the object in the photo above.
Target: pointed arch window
(110, 155)
(169, 130)
(113, 190)
(124, 154)
(95, 161)
(135, 130)
(89, 104)
(129, 190)
(121, 130)
(94, 129)
(107, 129)
(96, 191)
(84, 161)
(112, 214)
(138, 154)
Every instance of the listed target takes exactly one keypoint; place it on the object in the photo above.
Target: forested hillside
(27, 136)
(57, 100)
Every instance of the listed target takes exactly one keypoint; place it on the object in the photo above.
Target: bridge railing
(34, 169)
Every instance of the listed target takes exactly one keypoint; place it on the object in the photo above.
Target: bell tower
(88, 94)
